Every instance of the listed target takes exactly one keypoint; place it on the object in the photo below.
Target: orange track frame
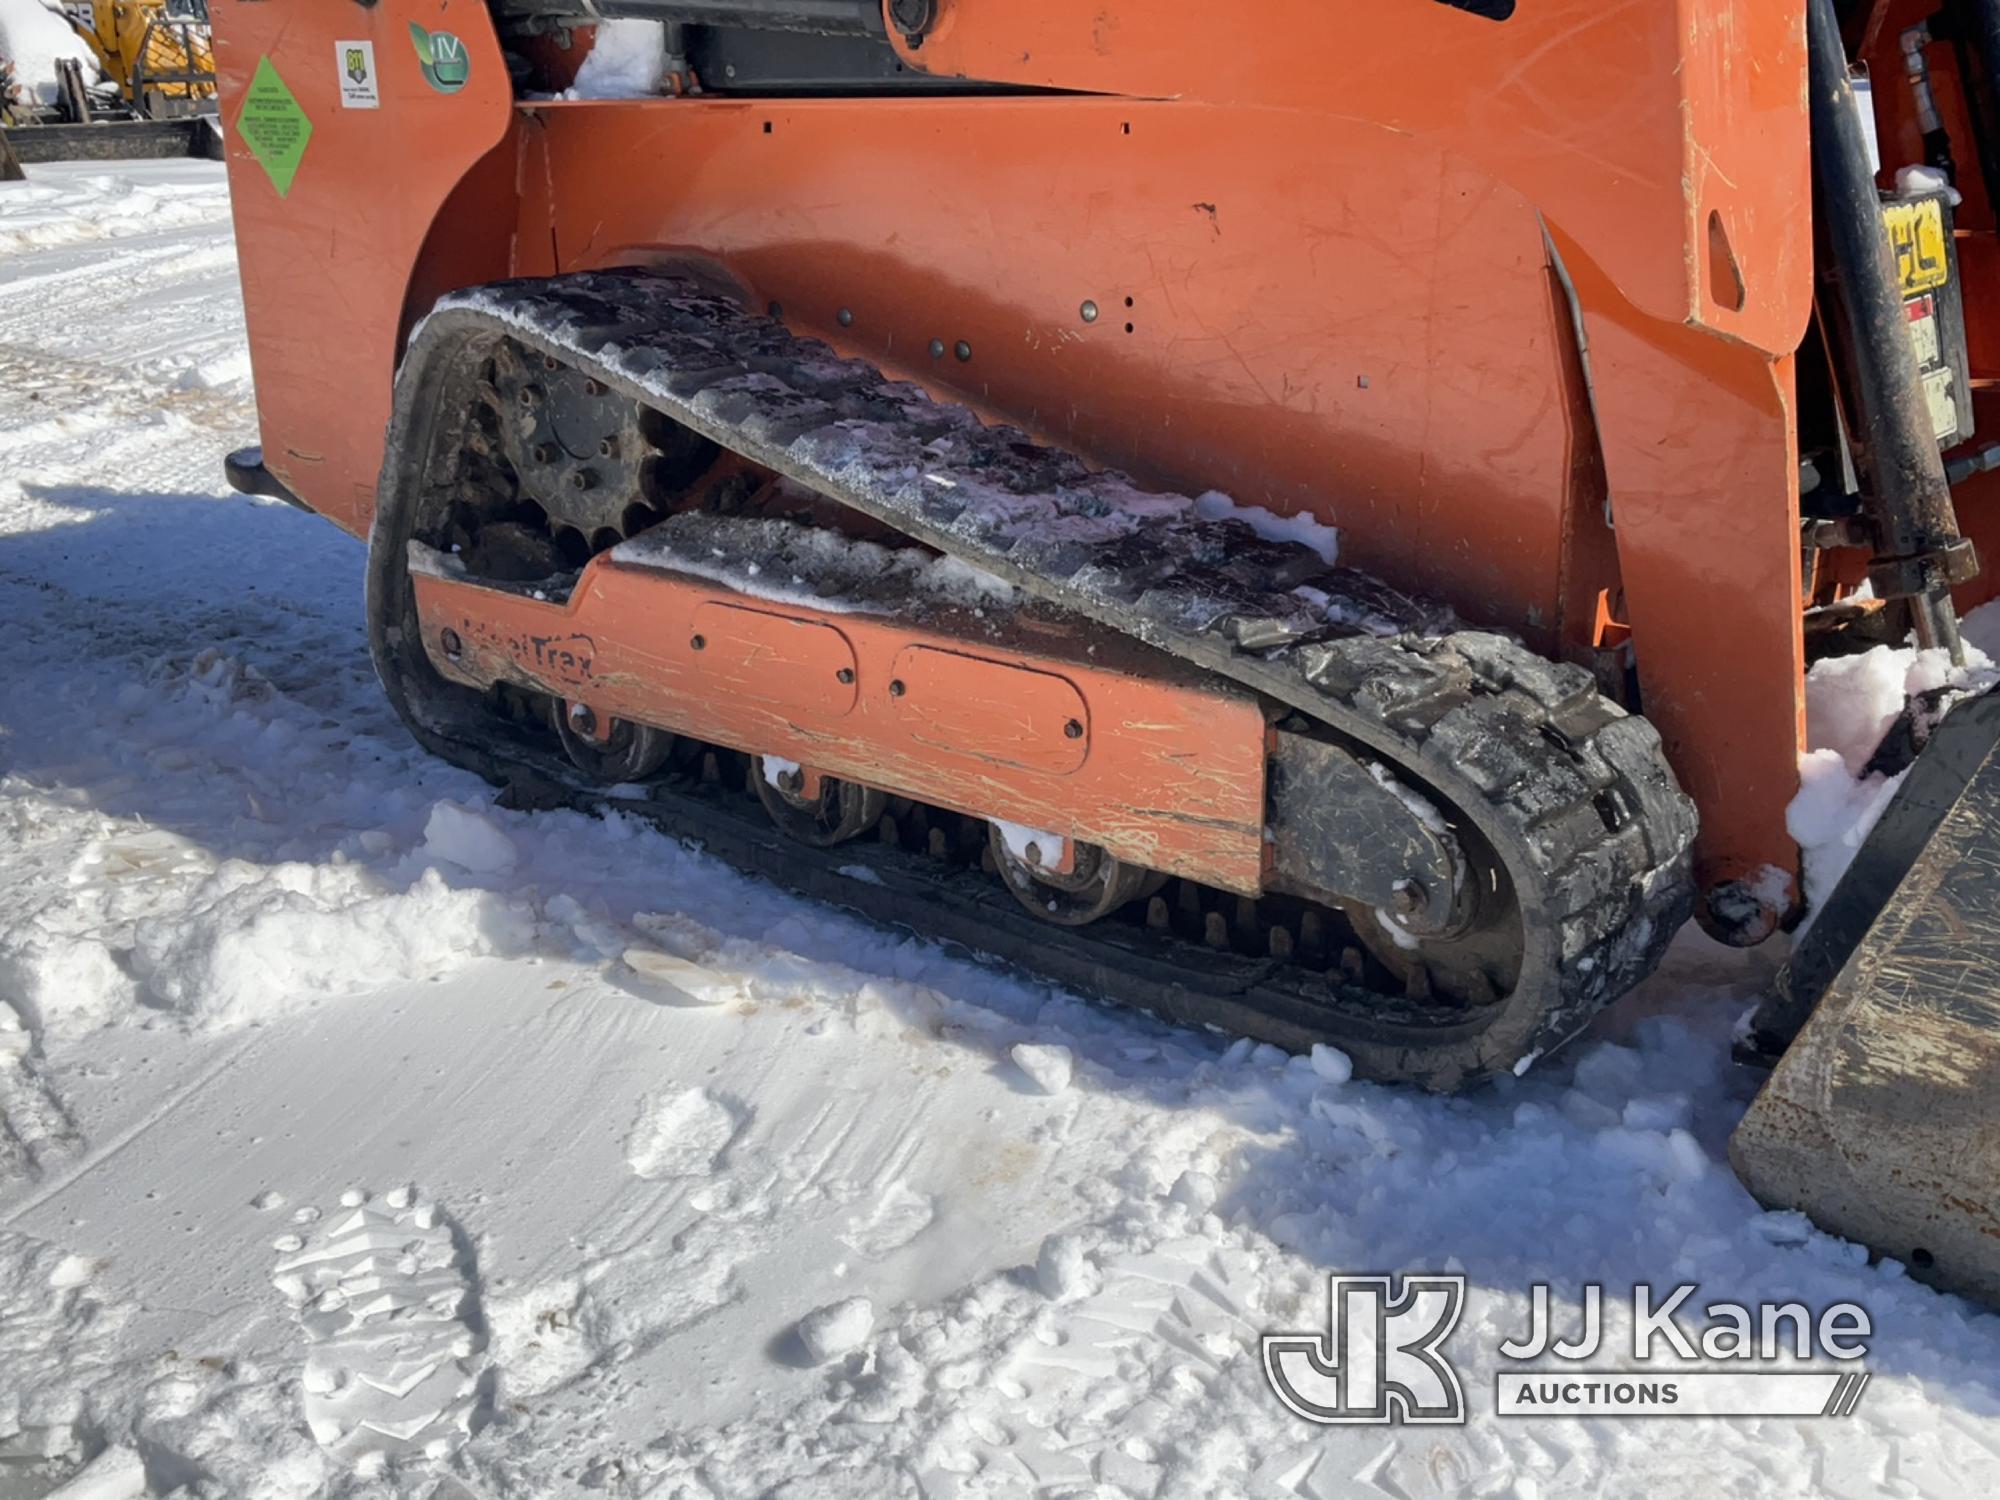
(1342, 258)
(1162, 773)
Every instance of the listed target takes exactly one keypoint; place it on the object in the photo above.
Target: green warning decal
(443, 58)
(273, 126)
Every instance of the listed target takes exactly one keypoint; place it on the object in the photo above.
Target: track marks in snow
(59, 1330)
(848, 1151)
(107, 206)
(896, 1216)
(718, 1182)
(33, 1122)
(206, 385)
(385, 1292)
(1076, 1407)
(34, 1126)
(1181, 1295)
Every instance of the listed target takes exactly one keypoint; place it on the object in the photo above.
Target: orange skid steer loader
(909, 437)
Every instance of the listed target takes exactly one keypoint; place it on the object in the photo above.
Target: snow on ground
(111, 202)
(361, 1137)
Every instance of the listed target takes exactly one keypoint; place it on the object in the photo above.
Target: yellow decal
(1916, 234)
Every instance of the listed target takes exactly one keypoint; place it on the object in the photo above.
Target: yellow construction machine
(156, 95)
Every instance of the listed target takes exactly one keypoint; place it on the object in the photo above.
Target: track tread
(1575, 795)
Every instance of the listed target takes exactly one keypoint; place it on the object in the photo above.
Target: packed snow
(1851, 701)
(111, 203)
(828, 1332)
(793, 564)
(1033, 846)
(627, 60)
(1048, 1067)
(1306, 530)
(776, 770)
(1922, 179)
(359, 1136)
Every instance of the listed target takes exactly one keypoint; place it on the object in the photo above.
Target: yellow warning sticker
(1916, 234)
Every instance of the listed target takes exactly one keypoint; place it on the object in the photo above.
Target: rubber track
(1573, 794)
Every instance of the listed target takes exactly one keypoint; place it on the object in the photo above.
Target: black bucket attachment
(117, 140)
(1882, 1118)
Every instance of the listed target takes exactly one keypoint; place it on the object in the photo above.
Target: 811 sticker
(358, 88)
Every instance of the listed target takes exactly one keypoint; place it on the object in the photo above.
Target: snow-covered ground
(362, 1138)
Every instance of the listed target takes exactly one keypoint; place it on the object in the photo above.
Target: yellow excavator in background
(157, 51)
(157, 55)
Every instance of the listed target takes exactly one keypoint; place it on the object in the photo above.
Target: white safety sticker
(1943, 402)
(356, 61)
(1922, 312)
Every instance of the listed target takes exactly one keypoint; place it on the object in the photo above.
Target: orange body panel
(1160, 772)
(325, 263)
(1250, 336)
(1628, 126)
(1324, 282)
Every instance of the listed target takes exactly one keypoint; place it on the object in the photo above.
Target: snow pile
(1048, 1067)
(51, 211)
(826, 1333)
(63, 986)
(467, 838)
(1301, 528)
(242, 943)
(232, 369)
(1851, 702)
(34, 38)
(1831, 817)
(57, 1327)
(1331, 1064)
(793, 564)
(682, 1133)
(1922, 179)
(540, 1337)
(627, 61)
(1063, 1270)
(256, 943)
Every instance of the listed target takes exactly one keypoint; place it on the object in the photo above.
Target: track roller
(1094, 885)
(610, 750)
(814, 809)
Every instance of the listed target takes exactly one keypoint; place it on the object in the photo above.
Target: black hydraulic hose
(1917, 72)
(823, 17)
(1917, 538)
